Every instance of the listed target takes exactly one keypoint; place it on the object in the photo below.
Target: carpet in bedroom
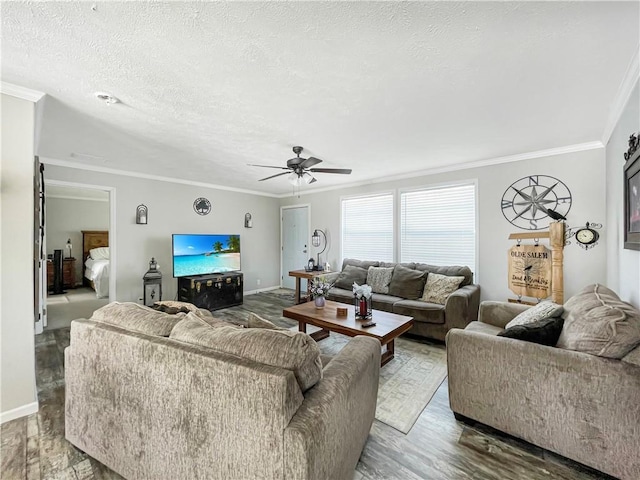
(76, 303)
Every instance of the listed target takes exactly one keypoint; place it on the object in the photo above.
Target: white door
(295, 242)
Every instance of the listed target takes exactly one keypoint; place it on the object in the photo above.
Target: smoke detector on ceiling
(107, 98)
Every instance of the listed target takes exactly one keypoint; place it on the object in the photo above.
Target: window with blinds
(438, 226)
(367, 228)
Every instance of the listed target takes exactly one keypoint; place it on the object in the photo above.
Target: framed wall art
(632, 194)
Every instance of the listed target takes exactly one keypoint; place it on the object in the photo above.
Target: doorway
(294, 234)
(70, 209)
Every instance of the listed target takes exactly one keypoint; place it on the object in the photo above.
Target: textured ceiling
(383, 88)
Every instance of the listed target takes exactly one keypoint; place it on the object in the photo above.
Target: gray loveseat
(582, 406)
(431, 320)
(153, 407)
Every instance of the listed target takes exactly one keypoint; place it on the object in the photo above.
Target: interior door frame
(112, 227)
(282, 209)
(40, 277)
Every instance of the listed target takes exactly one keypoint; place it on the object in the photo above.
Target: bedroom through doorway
(77, 230)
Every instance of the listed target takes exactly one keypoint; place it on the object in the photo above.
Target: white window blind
(438, 226)
(367, 228)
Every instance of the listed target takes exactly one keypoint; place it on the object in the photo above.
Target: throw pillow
(538, 312)
(170, 310)
(100, 253)
(407, 283)
(439, 287)
(349, 275)
(295, 351)
(175, 304)
(173, 307)
(544, 332)
(379, 278)
(596, 321)
(137, 318)
(255, 321)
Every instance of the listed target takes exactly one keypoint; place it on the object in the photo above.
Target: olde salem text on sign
(530, 270)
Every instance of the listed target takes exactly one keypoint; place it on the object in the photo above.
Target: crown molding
(21, 92)
(629, 81)
(146, 176)
(580, 147)
(550, 152)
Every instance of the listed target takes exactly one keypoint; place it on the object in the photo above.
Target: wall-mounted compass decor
(202, 206)
(532, 202)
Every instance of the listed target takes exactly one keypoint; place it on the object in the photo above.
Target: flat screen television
(197, 254)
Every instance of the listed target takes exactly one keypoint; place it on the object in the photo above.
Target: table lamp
(315, 241)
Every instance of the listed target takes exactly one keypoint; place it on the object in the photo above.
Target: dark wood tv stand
(213, 292)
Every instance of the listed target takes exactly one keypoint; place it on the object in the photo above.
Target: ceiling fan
(299, 169)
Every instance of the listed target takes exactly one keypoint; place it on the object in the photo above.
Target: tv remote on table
(368, 324)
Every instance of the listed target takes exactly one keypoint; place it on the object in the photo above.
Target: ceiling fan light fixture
(300, 169)
(294, 179)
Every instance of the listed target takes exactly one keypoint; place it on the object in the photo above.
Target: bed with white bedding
(95, 254)
(97, 272)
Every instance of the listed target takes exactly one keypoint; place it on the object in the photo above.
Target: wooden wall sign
(530, 270)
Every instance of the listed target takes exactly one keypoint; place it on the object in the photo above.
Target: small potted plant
(318, 289)
(362, 294)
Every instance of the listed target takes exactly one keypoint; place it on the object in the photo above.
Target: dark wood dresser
(68, 273)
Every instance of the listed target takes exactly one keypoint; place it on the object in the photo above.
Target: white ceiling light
(107, 98)
(297, 180)
(294, 179)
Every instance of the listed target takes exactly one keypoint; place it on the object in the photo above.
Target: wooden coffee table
(388, 325)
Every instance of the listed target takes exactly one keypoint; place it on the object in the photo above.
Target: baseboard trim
(260, 290)
(22, 411)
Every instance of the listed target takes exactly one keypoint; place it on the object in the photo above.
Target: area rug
(407, 383)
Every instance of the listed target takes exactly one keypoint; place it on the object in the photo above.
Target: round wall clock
(526, 203)
(202, 206)
(587, 236)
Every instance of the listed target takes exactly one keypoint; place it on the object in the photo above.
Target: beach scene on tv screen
(202, 254)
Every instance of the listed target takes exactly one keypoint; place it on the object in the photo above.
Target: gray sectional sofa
(581, 405)
(431, 320)
(159, 396)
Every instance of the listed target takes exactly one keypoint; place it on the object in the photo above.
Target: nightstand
(68, 273)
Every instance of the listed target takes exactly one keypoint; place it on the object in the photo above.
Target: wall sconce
(69, 246)
(141, 215)
(315, 241)
(248, 223)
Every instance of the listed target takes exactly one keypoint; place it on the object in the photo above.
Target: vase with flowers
(362, 295)
(318, 289)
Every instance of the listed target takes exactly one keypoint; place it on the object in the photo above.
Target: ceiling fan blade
(345, 171)
(266, 166)
(310, 162)
(274, 176)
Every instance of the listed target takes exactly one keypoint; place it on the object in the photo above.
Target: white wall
(171, 211)
(17, 357)
(66, 218)
(582, 172)
(623, 266)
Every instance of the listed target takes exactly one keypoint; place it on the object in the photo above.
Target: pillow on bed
(100, 253)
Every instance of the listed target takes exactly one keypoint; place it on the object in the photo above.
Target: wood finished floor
(437, 447)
